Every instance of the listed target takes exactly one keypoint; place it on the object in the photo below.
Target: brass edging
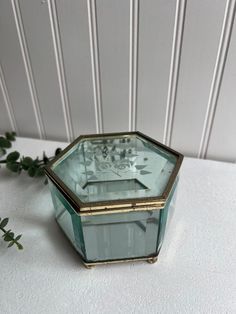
(124, 206)
(110, 207)
(96, 205)
(172, 177)
(149, 259)
(115, 211)
(114, 205)
(81, 137)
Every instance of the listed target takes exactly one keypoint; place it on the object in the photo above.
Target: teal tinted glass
(68, 219)
(118, 236)
(112, 168)
(166, 214)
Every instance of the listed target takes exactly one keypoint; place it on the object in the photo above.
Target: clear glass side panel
(120, 236)
(68, 220)
(111, 168)
(166, 214)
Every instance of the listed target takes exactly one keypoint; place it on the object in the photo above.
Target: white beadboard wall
(164, 67)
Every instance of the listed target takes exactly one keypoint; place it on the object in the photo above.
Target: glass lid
(116, 167)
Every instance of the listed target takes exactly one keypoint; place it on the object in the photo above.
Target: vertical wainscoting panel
(202, 31)
(14, 71)
(223, 135)
(5, 124)
(164, 67)
(113, 28)
(37, 30)
(156, 26)
(7, 117)
(74, 32)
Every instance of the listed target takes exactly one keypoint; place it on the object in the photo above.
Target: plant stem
(40, 162)
(5, 231)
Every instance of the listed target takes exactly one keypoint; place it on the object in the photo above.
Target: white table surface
(195, 273)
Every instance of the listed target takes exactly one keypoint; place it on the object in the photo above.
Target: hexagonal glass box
(113, 195)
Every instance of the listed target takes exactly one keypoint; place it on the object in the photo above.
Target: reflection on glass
(113, 236)
(115, 168)
(111, 168)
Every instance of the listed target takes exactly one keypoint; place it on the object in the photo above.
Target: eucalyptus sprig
(5, 142)
(17, 163)
(9, 236)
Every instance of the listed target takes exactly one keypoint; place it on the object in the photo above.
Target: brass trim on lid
(113, 206)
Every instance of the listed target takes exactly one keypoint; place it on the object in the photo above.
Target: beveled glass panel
(68, 219)
(118, 167)
(166, 213)
(120, 236)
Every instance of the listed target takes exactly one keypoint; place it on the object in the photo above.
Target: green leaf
(4, 143)
(32, 171)
(143, 172)
(2, 151)
(24, 166)
(45, 158)
(4, 222)
(13, 166)
(139, 167)
(10, 136)
(57, 151)
(18, 237)
(13, 156)
(39, 172)
(20, 246)
(26, 162)
(35, 161)
(11, 244)
(8, 236)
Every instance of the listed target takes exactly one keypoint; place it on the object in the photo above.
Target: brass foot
(89, 266)
(152, 260)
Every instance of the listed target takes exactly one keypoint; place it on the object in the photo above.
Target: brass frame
(150, 260)
(114, 206)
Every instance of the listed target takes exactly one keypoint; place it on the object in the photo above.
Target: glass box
(113, 195)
